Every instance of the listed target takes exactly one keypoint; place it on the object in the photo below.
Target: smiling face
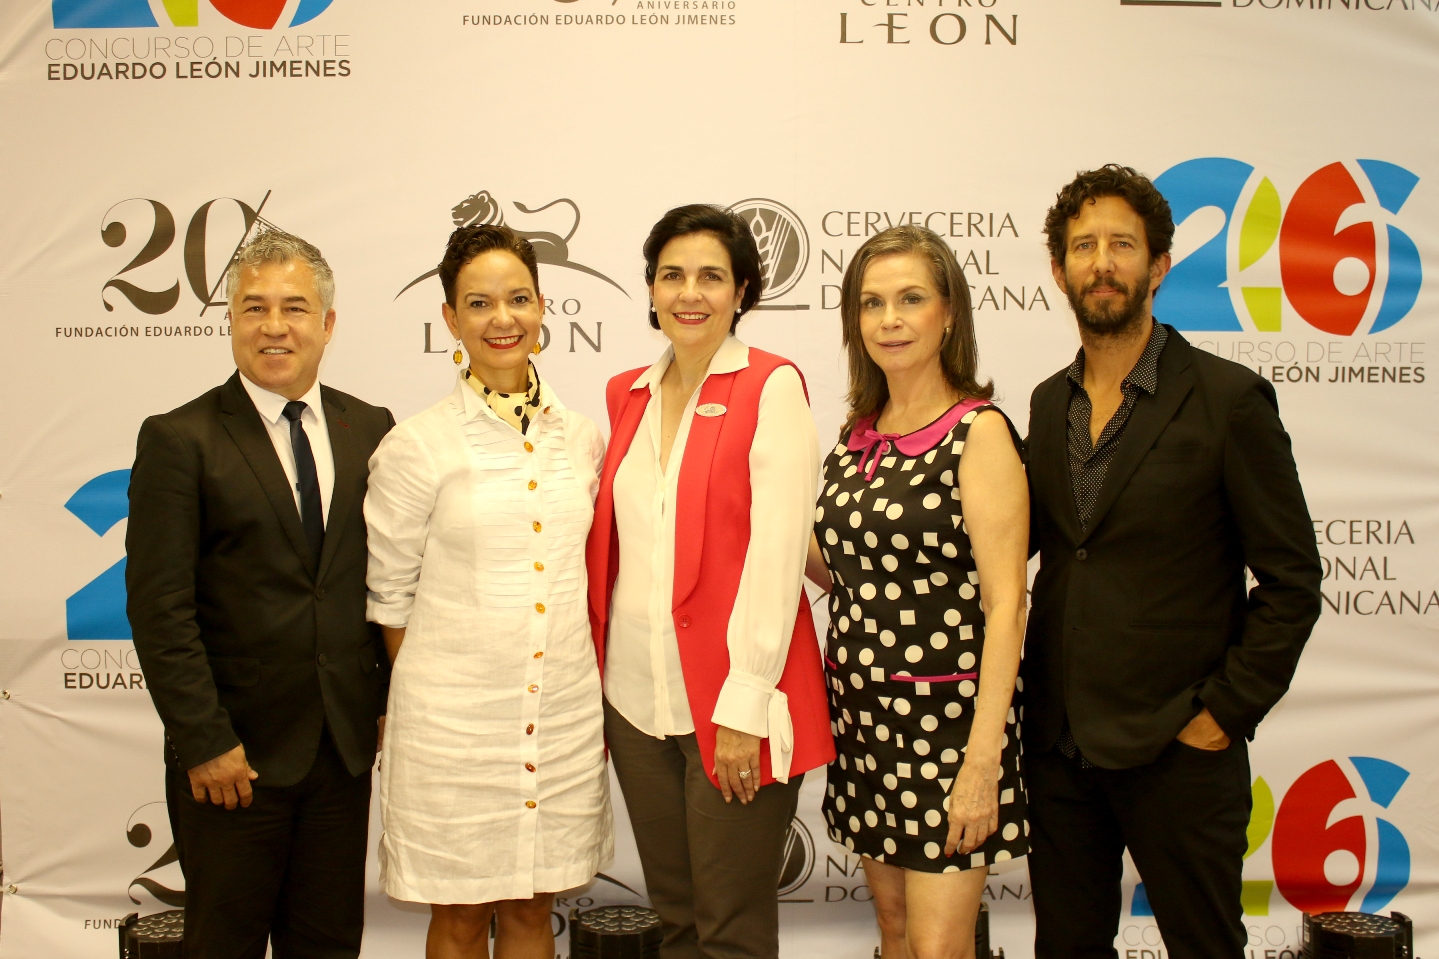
(497, 315)
(278, 328)
(902, 317)
(694, 292)
(1107, 272)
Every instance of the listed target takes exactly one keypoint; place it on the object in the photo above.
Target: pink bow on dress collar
(866, 438)
(875, 444)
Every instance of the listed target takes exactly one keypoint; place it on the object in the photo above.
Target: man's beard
(1112, 319)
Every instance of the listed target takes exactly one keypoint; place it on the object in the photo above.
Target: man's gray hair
(277, 246)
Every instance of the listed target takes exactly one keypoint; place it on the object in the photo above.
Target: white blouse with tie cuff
(493, 782)
(644, 680)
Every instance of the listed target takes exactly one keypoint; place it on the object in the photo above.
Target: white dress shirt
(493, 784)
(643, 676)
(271, 407)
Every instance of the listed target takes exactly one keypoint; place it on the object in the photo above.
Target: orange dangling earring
(459, 355)
(536, 349)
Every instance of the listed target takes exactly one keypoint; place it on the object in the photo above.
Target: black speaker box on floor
(157, 936)
(615, 932)
(1358, 935)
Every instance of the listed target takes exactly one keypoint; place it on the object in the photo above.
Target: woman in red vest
(715, 705)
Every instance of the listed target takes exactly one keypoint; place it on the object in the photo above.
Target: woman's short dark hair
(958, 351)
(1111, 180)
(729, 228)
(468, 242)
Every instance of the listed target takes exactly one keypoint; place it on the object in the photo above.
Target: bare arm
(815, 567)
(394, 636)
(996, 514)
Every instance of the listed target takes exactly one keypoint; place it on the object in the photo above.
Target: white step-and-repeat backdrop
(1294, 139)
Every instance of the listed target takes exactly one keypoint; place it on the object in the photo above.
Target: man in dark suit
(246, 579)
(1158, 474)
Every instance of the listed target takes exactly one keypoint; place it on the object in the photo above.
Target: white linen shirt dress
(493, 783)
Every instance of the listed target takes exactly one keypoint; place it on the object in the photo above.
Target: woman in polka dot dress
(927, 601)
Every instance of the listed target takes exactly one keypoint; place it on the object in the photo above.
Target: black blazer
(1145, 619)
(239, 640)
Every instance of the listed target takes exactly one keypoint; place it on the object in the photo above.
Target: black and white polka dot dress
(904, 648)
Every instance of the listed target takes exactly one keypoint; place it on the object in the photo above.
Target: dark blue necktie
(307, 482)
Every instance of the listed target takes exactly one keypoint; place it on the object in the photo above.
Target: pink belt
(951, 678)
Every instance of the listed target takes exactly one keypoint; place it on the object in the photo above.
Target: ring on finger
(744, 773)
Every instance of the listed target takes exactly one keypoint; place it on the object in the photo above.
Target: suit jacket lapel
(348, 467)
(1049, 462)
(1151, 414)
(243, 424)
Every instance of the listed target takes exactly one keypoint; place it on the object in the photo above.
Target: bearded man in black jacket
(1159, 473)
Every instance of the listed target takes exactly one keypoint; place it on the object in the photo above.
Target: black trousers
(288, 869)
(1182, 817)
(711, 868)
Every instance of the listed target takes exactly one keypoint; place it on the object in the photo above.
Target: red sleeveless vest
(710, 545)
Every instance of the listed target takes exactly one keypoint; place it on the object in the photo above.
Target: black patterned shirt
(1088, 461)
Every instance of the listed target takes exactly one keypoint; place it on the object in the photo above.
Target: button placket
(530, 715)
(539, 553)
(659, 598)
(540, 617)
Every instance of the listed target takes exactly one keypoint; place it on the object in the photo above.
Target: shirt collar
(731, 356)
(271, 406)
(1145, 374)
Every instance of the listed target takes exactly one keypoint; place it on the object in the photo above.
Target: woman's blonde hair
(958, 351)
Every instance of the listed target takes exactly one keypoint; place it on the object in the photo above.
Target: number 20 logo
(1325, 254)
(162, 236)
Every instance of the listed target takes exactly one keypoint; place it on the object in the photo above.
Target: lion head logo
(482, 209)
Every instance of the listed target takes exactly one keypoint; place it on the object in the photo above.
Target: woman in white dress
(493, 787)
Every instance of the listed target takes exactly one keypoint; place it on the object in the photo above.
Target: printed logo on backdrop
(96, 611)
(1366, 565)
(1174, 3)
(1327, 253)
(161, 884)
(186, 56)
(641, 13)
(783, 248)
(1370, 6)
(798, 863)
(148, 823)
(260, 14)
(981, 240)
(861, 23)
(551, 249)
(1311, 280)
(152, 267)
(1331, 849)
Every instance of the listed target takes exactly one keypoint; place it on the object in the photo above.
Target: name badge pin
(711, 409)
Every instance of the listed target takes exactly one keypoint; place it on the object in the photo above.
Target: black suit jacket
(240, 641)
(1145, 619)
